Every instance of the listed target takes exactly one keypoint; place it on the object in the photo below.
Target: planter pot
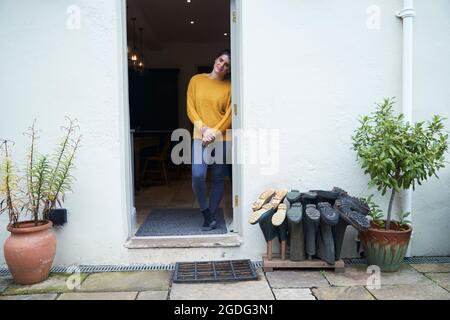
(385, 248)
(58, 216)
(29, 251)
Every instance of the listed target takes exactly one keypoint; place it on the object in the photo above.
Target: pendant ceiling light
(133, 56)
(141, 61)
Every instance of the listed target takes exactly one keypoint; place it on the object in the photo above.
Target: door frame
(236, 91)
(127, 165)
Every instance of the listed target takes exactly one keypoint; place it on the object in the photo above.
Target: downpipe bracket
(406, 13)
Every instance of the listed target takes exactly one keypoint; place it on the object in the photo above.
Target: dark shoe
(297, 242)
(265, 223)
(328, 214)
(206, 217)
(325, 243)
(341, 192)
(347, 217)
(282, 231)
(211, 226)
(338, 237)
(311, 222)
(210, 222)
(295, 212)
(356, 204)
(326, 196)
(308, 198)
(356, 219)
(293, 196)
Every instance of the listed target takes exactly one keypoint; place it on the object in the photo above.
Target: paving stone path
(419, 281)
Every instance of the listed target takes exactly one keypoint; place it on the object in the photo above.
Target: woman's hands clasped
(208, 136)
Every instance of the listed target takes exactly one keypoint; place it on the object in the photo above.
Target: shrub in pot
(396, 155)
(30, 249)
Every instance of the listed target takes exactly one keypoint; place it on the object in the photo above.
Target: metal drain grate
(232, 270)
(100, 268)
(409, 260)
(414, 260)
(4, 272)
(354, 261)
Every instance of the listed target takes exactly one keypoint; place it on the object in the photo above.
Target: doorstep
(200, 241)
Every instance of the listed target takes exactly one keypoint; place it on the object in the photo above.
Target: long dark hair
(225, 51)
(228, 53)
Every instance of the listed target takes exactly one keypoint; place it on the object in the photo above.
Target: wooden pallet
(277, 263)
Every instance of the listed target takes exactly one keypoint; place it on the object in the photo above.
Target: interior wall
(186, 57)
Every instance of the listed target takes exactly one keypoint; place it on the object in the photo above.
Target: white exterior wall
(311, 68)
(431, 201)
(308, 67)
(49, 72)
(324, 67)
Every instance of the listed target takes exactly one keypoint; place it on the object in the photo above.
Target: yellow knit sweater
(209, 103)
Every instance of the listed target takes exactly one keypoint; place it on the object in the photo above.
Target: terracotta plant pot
(385, 248)
(29, 251)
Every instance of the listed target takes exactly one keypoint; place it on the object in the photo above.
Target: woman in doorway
(209, 109)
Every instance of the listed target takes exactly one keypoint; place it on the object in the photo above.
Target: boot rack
(327, 214)
(281, 261)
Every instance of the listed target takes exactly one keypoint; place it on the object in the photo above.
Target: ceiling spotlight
(188, 1)
(225, 34)
(192, 21)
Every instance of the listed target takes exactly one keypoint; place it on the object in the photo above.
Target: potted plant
(396, 155)
(30, 249)
(60, 179)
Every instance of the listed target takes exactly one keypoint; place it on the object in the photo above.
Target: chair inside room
(160, 161)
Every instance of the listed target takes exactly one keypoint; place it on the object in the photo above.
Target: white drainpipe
(407, 14)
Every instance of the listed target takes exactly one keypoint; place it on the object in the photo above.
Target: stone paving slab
(296, 279)
(358, 276)
(432, 267)
(342, 293)
(353, 276)
(127, 281)
(239, 290)
(293, 294)
(421, 291)
(153, 295)
(55, 283)
(45, 296)
(98, 296)
(442, 279)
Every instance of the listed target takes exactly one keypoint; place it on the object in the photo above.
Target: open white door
(128, 134)
(235, 39)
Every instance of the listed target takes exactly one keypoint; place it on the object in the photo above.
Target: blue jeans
(202, 158)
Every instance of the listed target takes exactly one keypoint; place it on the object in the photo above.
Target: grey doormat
(178, 222)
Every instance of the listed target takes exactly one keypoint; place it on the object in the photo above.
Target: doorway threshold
(191, 241)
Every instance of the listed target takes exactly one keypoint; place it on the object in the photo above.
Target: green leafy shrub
(396, 154)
